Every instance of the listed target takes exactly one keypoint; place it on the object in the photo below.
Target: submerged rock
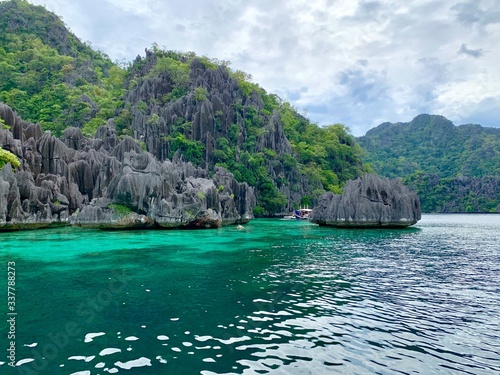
(369, 201)
(102, 214)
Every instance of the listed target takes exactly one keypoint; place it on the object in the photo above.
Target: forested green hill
(47, 75)
(453, 168)
(175, 105)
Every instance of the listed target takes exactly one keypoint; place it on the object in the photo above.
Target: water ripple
(298, 300)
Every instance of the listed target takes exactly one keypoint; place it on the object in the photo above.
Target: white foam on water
(100, 365)
(109, 351)
(140, 362)
(89, 337)
(23, 361)
(31, 345)
(86, 372)
(113, 370)
(162, 337)
(175, 349)
(211, 360)
(131, 338)
(174, 319)
(186, 343)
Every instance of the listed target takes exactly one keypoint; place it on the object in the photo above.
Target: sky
(355, 62)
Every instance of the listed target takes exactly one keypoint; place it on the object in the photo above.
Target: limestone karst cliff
(369, 201)
(172, 102)
(105, 182)
(213, 116)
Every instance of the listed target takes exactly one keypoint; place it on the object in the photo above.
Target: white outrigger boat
(300, 214)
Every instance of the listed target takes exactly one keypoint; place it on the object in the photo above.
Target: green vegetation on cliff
(8, 157)
(453, 168)
(48, 76)
(175, 105)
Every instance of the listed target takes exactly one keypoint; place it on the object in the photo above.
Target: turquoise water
(279, 297)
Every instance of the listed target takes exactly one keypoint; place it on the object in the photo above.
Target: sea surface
(277, 297)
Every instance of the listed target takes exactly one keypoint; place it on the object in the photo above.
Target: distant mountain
(174, 105)
(453, 168)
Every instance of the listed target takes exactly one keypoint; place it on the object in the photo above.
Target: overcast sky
(359, 63)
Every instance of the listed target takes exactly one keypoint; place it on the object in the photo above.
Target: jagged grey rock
(369, 201)
(225, 109)
(73, 138)
(85, 181)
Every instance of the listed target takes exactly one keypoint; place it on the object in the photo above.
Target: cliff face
(206, 117)
(213, 122)
(369, 201)
(466, 193)
(456, 194)
(105, 182)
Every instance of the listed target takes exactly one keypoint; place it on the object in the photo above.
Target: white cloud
(139, 8)
(355, 62)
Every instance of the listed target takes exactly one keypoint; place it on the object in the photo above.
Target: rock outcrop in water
(369, 201)
(108, 183)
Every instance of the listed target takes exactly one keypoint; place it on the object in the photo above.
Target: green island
(453, 168)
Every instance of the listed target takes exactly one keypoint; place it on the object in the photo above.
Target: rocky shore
(109, 183)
